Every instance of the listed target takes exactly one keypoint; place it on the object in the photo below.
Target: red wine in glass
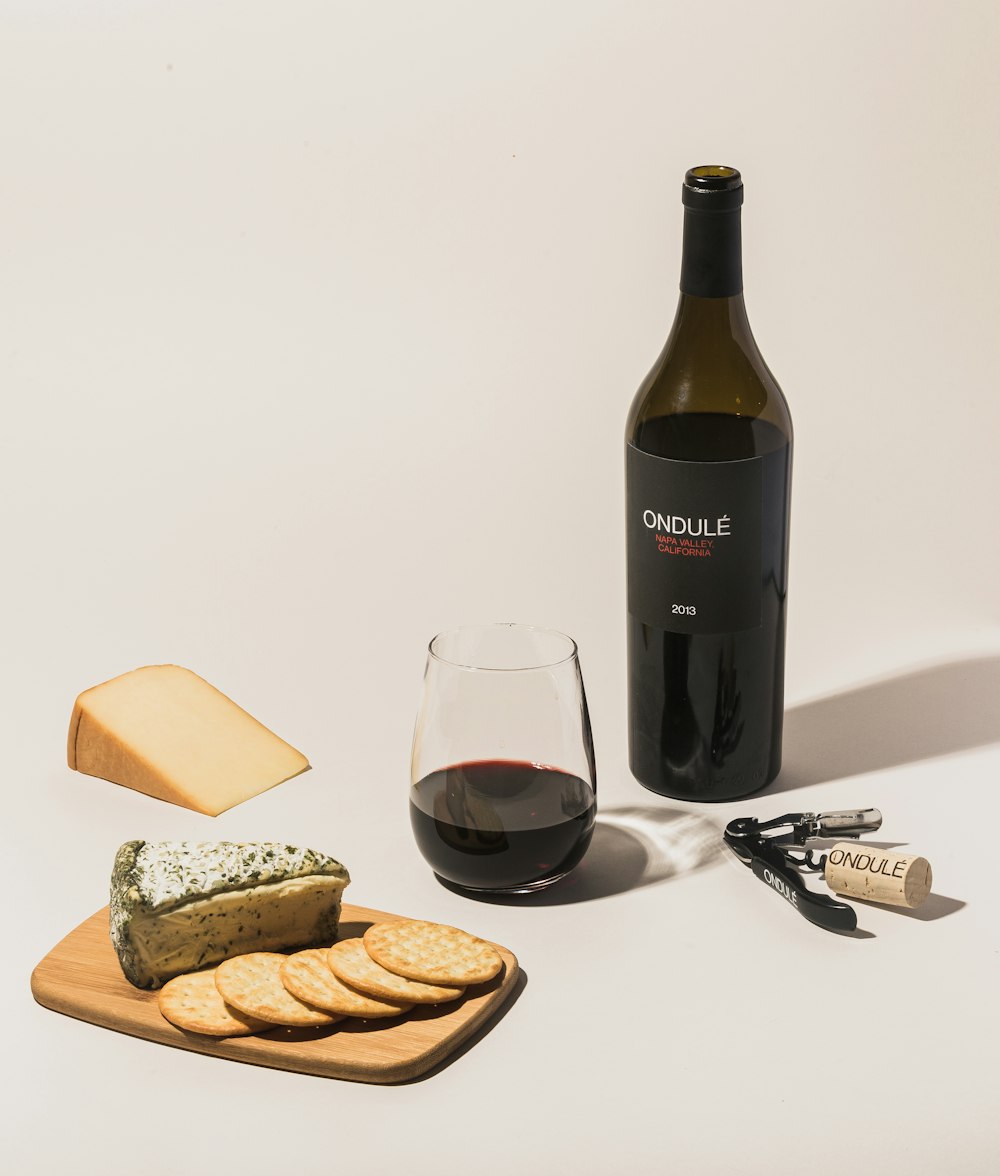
(502, 824)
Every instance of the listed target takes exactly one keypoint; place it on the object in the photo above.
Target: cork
(879, 875)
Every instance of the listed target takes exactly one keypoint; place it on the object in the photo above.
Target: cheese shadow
(926, 713)
(353, 930)
(632, 847)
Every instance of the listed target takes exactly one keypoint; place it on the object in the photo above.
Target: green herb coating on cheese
(182, 905)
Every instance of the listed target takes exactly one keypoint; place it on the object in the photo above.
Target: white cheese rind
(179, 906)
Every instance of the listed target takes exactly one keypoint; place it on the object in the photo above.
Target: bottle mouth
(712, 187)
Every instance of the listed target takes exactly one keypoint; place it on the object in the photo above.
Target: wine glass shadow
(632, 847)
(925, 713)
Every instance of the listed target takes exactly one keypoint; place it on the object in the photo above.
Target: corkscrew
(778, 854)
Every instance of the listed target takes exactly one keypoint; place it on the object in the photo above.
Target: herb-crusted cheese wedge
(177, 906)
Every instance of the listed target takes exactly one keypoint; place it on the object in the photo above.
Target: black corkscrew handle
(769, 865)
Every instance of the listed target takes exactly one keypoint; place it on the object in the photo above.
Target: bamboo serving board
(81, 977)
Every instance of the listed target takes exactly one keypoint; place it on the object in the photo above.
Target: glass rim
(512, 625)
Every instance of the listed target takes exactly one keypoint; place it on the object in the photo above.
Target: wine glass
(503, 781)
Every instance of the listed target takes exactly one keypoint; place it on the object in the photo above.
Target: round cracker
(349, 960)
(252, 984)
(433, 953)
(194, 1003)
(307, 975)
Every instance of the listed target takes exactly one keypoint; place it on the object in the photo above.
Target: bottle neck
(720, 320)
(712, 261)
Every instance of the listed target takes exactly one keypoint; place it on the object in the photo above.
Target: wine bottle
(708, 475)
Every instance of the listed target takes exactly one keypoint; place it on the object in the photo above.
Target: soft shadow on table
(935, 906)
(633, 846)
(930, 712)
(857, 933)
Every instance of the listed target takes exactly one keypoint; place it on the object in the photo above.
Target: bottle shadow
(934, 711)
(632, 847)
(926, 713)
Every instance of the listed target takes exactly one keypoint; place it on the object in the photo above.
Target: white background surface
(318, 327)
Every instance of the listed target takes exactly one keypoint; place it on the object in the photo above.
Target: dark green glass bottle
(708, 476)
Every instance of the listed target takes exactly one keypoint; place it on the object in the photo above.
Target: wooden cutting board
(81, 977)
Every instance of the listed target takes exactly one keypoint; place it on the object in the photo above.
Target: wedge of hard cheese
(177, 906)
(164, 731)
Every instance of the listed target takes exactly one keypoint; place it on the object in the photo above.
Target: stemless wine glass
(503, 782)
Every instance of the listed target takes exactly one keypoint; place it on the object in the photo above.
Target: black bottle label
(694, 542)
